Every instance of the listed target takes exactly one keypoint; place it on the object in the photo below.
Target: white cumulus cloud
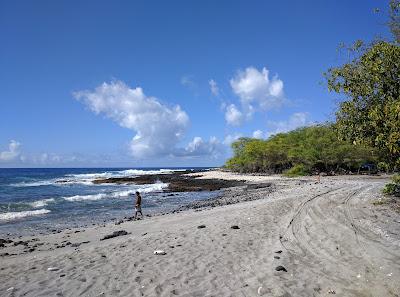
(296, 120)
(233, 115)
(12, 153)
(214, 87)
(158, 128)
(258, 134)
(231, 138)
(199, 147)
(257, 90)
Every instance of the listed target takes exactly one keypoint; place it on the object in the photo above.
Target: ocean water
(37, 200)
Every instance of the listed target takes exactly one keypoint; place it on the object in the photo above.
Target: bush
(393, 188)
(316, 148)
(297, 170)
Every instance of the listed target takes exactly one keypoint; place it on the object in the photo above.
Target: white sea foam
(87, 178)
(41, 203)
(90, 175)
(146, 172)
(34, 183)
(9, 216)
(121, 173)
(119, 194)
(86, 197)
(152, 188)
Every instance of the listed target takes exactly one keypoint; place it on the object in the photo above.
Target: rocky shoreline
(177, 181)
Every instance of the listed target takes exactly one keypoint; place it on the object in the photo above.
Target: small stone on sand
(280, 268)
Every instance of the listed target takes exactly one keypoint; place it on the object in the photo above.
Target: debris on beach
(235, 227)
(53, 269)
(115, 234)
(201, 226)
(278, 252)
(159, 252)
(280, 268)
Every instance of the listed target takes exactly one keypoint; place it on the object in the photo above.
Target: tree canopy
(371, 83)
(315, 148)
(367, 127)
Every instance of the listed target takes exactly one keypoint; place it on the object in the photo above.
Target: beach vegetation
(370, 114)
(300, 152)
(393, 188)
(296, 170)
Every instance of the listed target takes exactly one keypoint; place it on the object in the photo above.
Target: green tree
(371, 83)
(305, 150)
(394, 19)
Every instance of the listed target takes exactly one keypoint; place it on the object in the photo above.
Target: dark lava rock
(278, 252)
(119, 222)
(2, 245)
(5, 241)
(280, 268)
(177, 182)
(115, 234)
(25, 243)
(235, 227)
(201, 226)
(276, 257)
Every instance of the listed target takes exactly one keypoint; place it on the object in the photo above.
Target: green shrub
(317, 148)
(297, 170)
(393, 188)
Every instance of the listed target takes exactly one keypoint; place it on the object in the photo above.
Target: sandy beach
(285, 237)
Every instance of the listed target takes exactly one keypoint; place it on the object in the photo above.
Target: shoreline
(217, 259)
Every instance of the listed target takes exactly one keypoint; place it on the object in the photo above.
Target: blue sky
(165, 83)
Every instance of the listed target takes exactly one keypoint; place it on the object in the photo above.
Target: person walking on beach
(138, 205)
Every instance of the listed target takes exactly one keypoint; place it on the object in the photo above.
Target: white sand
(331, 237)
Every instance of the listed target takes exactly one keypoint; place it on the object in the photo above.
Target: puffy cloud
(12, 153)
(258, 134)
(256, 90)
(214, 87)
(199, 147)
(158, 127)
(296, 120)
(233, 116)
(231, 138)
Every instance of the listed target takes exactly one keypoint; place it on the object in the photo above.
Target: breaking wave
(87, 178)
(41, 203)
(9, 216)
(118, 194)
